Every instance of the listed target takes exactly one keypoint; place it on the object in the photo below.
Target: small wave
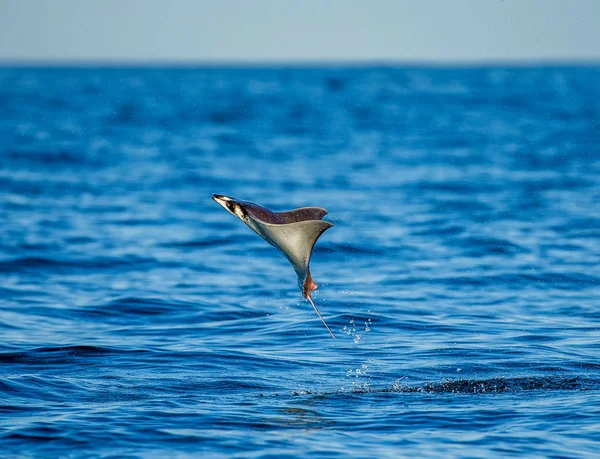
(63, 354)
(47, 157)
(131, 309)
(139, 306)
(41, 263)
(332, 247)
(44, 389)
(484, 246)
(443, 229)
(512, 280)
(501, 385)
(212, 242)
(498, 385)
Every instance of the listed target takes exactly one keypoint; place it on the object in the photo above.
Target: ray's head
(232, 206)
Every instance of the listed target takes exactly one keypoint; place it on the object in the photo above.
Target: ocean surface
(462, 275)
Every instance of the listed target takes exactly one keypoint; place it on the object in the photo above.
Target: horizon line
(297, 63)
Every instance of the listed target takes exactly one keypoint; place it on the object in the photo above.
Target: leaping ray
(293, 233)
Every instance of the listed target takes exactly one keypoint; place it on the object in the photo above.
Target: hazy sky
(299, 30)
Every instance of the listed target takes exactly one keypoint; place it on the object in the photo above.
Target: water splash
(357, 331)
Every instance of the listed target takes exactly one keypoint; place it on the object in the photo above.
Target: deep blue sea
(462, 276)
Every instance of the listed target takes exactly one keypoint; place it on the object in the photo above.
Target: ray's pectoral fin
(302, 214)
(295, 241)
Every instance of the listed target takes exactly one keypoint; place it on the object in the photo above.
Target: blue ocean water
(462, 276)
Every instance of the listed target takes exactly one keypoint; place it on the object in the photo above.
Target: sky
(299, 30)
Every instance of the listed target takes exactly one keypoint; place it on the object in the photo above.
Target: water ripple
(139, 319)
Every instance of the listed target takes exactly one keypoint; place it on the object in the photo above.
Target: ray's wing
(262, 214)
(294, 240)
(302, 214)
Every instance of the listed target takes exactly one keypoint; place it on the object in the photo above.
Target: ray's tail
(308, 287)
(309, 297)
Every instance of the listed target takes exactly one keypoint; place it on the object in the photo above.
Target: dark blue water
(462, 276)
